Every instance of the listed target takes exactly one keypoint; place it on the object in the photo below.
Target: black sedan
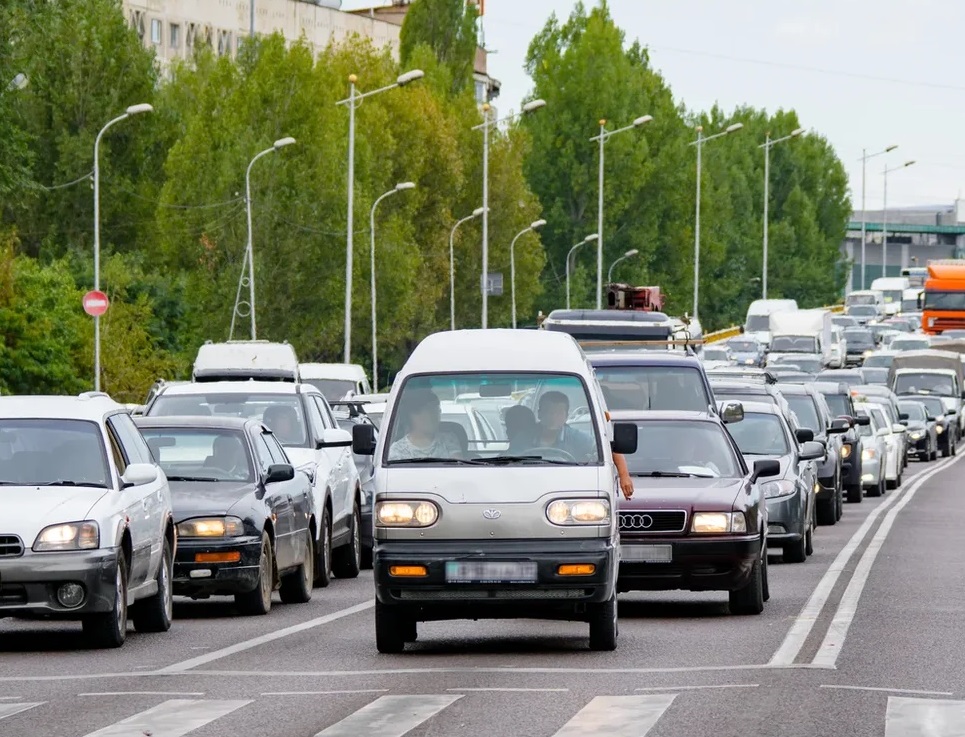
(922, 429)
(243, 514)
(946, 424)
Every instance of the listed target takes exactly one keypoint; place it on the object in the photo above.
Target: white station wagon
(86, 528)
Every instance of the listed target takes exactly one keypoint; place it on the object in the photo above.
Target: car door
(299, 495)
(136, 510)
(337, 458)
(278, 499)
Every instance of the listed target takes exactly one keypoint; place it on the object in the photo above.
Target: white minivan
(528, 531)
(757, 323)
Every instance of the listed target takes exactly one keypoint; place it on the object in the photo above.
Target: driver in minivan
(419, 415)
(553, 432)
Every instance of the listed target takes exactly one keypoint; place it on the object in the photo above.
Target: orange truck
(943, 301)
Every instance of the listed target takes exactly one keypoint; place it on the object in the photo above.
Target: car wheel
(796, 552)
(155, 613)
(296, 587)
(855, 494)
(323, 555)
(257, 602)
(808, 541)
(934, 453)
(898, 480)
(827, 510)
(767, 578)
(109, 629)
(366, 559)
(603, 625)
(750, 598)
(389, 630)
(876, 490)
(347, 560)
(410, 630)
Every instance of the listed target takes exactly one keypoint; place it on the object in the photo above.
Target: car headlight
(406, 514)
(868, 454)
(939, 429)
(782, 487)
(578, 512)
(212, 527)
(750, 361)
(846, 451)
(716, 523)
(867, 353)
(917, 435)
(68, 536)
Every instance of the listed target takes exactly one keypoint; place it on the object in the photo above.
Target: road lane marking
(837, 633)
(888, 690)
(325, 693)
(142, 693)
(10, 698)
(790, 648)
(173, 718)
(511, 690)
(239, 647)
(8, 710)
(924, 717)
(698, 688)
(390, 716)
(617, 716)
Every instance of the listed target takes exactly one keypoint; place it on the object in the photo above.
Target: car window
(807, 414)
(760, 434)
(42, 452)
(654, 387)
(132, 444)
(839, 404)
(262, 454)
(677, 447)
(277, 453)
(334, 389)
(880, 418)
(200, 454)
(315, 420)
(328, 417)
(914, 410)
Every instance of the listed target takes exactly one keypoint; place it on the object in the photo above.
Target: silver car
(874, 449)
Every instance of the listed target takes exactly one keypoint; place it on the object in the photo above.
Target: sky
(866, 74)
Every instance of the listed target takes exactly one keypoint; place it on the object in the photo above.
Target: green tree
(448, 27)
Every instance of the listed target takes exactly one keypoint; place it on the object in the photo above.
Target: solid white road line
(8, 710)
(173, 718)
(697, 688)
(834, 639)
(511, 690)
(924, 718)
(888, 690)
(324, 693)
(264, 639)
(801, 629)
(389, 716)
(617, 716)
(142, 693)
(9, 698)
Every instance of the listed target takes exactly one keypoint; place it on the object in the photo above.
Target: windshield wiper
(665, 474)
(67, 482)
(430, 459)
(504, 460)
(192, 478)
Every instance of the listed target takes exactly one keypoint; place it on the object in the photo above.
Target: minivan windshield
(654, 387)
(550, 421)
(52, 452)
(861, 299)
(794, 344)
(683, 448)
(757, 323)
(909, 383)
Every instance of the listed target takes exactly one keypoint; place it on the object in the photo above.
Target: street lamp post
(353, 101)
(485, 126)
(512, 263)
(699, 143)
(884, 217)
(768, 143)
(603, 137)
(629, 254)
(400, 187)
(132, 110)
(864, 165)
(452, 264)
(569, 256)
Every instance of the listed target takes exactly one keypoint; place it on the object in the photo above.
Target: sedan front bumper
(696, 564)
(197, 572)
(29, 583)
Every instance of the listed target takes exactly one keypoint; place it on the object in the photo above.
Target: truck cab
(943, 301)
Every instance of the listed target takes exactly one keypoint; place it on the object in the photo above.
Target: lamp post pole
(864, 238)
(452, 264)
(884, 217)
(512, 263)
(768, 143)
(629, 254)
(588, 239)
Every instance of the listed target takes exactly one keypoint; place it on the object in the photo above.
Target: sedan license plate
(647, 553)
(490, 572)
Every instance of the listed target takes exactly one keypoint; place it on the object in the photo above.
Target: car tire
(389, 630)
(296, 587)
(257, 602)
(603, 625)
(323, 554)
(839, 502)
(410, 630)
(808, 541)
(934, 453)
(891, 484)
(877, 489)
(855, 494)
(109, 629)
(827, 511)
(155, 613)
(347, 560)
(750, 598)
(796, 552)
(767, 579)
(367, 559)
(924, 456)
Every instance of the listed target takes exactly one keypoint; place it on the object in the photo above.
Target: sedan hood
(207, 498)
(26, 510)
(690, 494)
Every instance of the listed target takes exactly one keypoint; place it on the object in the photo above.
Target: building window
(192, 36)
(137, 23)
(155, 31)
(175, 36)
(480, 91)
(224, 43)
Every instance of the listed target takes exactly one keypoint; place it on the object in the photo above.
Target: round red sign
(95, 303)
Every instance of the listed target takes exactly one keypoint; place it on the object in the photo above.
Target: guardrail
(735, 330)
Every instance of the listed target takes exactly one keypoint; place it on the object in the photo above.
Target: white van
(336, 380)
(893, 289)
(757, 323)
(239, 360)
(462, 532)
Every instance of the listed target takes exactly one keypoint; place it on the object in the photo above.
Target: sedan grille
(656, 521)
(11, 546)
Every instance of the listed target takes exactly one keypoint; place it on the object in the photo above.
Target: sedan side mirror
(363, 440)
(862, 420)
(838, 425)
(897, 428)
(951, 412)
(804, 434)
(763, 469)
(279, 472)
(732, 412)
(931, 418)
(139, 474)
(882, 431)
(902, 416)
(812, 451)
(334, 438)
(624, 438)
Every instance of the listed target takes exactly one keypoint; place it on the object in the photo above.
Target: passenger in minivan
(419, 415)
(520, 424)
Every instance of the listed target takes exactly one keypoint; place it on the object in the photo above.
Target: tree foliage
(448, 28)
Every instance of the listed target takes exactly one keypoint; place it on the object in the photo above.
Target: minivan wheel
(603, 625)
(389, 630)
(347, 560)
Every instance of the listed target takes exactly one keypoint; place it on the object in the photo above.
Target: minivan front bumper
(551, 596)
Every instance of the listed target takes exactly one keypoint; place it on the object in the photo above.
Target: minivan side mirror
(763, 469)
(624, 438)
(363, 440)
(732, 412)
(139, 474)
(279, 472)
(804, 434)
(812, 451)
(839, 425)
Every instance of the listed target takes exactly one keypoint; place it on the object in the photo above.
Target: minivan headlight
(406, 514)
(69, 536)
(212, 527)
(578, 512)
(717, 523)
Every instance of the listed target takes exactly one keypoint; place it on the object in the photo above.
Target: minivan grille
(656, 521)
(11, 546)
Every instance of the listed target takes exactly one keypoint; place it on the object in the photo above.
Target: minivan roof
(246, 359)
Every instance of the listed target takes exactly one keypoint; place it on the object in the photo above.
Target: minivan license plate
(646, 553)
(490, 572)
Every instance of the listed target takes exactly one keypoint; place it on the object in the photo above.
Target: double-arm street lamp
(629, 254)
(884, 217)
(452, 264)
(767, 145)
(864, 166)
(603, 137)
(512, 263)
(569, 257)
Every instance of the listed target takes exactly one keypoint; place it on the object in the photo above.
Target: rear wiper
(191, 478)
(66, 482)
(665, 474)
(429, 459)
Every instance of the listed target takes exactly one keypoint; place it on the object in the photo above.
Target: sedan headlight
(406, 514)
(939, 429)
(69, 536)
(579, 512)
(867, 353)
(869, 454)
(212, 527)
(845, 451)
(917, 435)
(716, 523)
(782, 487)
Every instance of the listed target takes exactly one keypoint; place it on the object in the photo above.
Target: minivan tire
(389, 630)
(155, 613)
(603, 625)
(347, 560)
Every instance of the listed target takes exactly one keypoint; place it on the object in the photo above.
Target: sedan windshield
(914, 410)
(860, 339)
(807, 414)
(333, 389)
(910, 344)
(672, 448)
(933, 405)
(195, 454)
(878, 360)
(654, 387)
(810, 364)
(743, 346)
(939, 384)
(715, 354)
(760, 434)
(52, 452)
(794, 344)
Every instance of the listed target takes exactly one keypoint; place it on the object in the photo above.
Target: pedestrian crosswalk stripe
(908, 717)
(173, 718)
(617, 716)
(390, 716)
(8, 710)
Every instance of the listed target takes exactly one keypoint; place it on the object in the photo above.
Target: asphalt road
(867, 638)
